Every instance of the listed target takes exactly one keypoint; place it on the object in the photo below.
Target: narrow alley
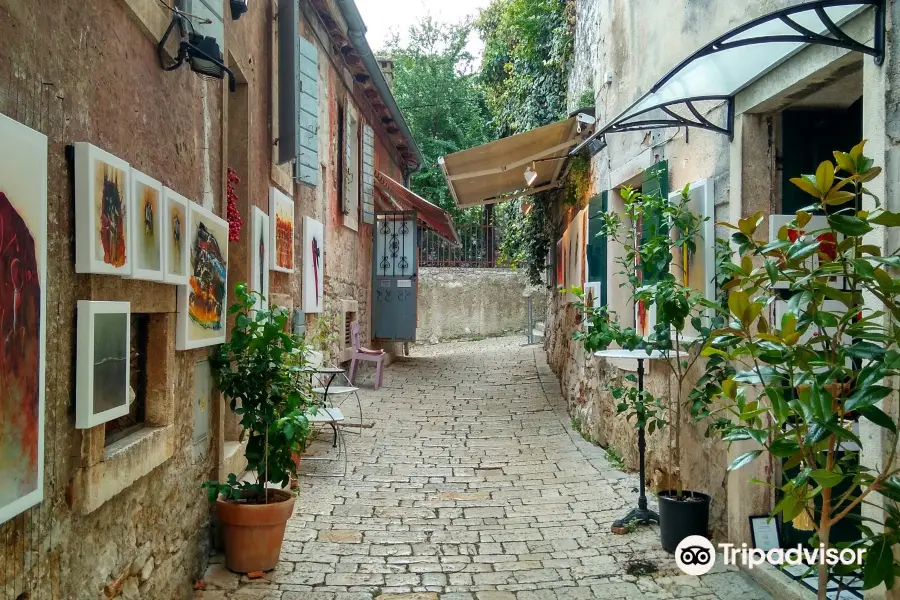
(471, 485)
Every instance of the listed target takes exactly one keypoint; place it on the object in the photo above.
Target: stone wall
(463, 303)
(129, 519)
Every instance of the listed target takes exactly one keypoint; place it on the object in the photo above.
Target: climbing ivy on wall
(528, 48)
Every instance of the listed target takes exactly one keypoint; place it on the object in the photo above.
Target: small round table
(641, 514)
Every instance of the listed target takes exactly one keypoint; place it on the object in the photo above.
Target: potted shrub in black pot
(654, 262)
(259, 370)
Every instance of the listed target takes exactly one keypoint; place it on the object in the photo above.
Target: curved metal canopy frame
(710, 75)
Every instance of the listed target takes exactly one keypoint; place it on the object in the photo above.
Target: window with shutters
(368, 175)
(306, 168)
(596, 249)
(351, 183)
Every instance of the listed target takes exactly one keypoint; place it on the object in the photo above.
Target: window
(124, 426)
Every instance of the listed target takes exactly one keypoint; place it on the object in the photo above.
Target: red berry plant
(235, 222)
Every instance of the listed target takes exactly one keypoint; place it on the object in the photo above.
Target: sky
(383, 17)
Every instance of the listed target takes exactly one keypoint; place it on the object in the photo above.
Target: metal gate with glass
(394, 276)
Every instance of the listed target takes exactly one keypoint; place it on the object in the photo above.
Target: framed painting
(102, 222)
(779, 225)
(313, 265)
(202, 304)
(23, 306)
(146, 228)
(281, 222)
(697, 269)
(259, 255)
(560, 263)
(174, 241)
(103, 369)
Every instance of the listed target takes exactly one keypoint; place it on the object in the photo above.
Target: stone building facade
(123, 514)
(622, 48)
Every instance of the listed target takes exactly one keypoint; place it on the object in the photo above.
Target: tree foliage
(436, 87)
(527, 52)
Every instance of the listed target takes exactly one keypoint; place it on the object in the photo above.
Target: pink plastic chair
(364, 354)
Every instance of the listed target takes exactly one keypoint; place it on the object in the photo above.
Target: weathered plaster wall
(637, 42)
(463, 303)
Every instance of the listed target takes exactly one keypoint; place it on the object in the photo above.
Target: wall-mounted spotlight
(530, 175)
(238, 7)
(201, 52)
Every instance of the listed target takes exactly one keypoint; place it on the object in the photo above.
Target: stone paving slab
(470, 486)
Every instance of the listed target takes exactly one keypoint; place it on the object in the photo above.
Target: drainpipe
(357, 32)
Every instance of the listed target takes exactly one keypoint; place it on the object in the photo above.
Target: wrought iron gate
(394, 276)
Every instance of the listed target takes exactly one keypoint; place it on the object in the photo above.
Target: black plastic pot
(680, 518)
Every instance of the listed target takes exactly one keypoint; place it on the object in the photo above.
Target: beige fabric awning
(496, 171)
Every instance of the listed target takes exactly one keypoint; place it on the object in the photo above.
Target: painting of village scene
(23, 268)
(202, 304)
(281, 211)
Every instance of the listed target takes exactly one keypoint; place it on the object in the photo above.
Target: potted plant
(259, 370)
(654, 233)
(809, 366)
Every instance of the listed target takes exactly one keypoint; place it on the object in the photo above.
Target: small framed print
(102, 220)
(764, 533)
(174, 237)
(103, 370)
(146, 228)
(828, 239)
(281, 223)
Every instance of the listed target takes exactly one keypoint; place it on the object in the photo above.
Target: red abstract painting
(20, 343)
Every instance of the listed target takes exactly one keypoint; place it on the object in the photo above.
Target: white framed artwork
(23, 310)
(313, 266)
(147, 246)
(202, 304)
(174, 237)
(259, 255)
(281, 222)
(827, 238)
(103, 369)
(102, 222)
(698, 270)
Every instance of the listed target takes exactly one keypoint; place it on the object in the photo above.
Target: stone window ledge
(124, 462)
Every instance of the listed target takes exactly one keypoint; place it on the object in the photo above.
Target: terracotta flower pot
(252, 533)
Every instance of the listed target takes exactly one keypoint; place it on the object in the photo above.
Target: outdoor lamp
(238, 7)
(201, 52)
(530, 175)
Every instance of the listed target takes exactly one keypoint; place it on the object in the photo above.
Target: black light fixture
(201, 52)
(238, 7)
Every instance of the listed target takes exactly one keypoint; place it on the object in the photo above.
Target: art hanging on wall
(174, 237)
(23, 306)
(817, 228)
(102, 222)
(202, 305)
(259, 255)
(313, 265)
(146, 228)
(281, 218)
(103, 369)
(697, 269)
(561, 263)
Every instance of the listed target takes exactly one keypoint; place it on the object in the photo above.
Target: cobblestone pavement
(470, 486)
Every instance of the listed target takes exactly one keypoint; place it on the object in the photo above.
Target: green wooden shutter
(306, 168)
(368, 175)
(596, 245)
(656, 182)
